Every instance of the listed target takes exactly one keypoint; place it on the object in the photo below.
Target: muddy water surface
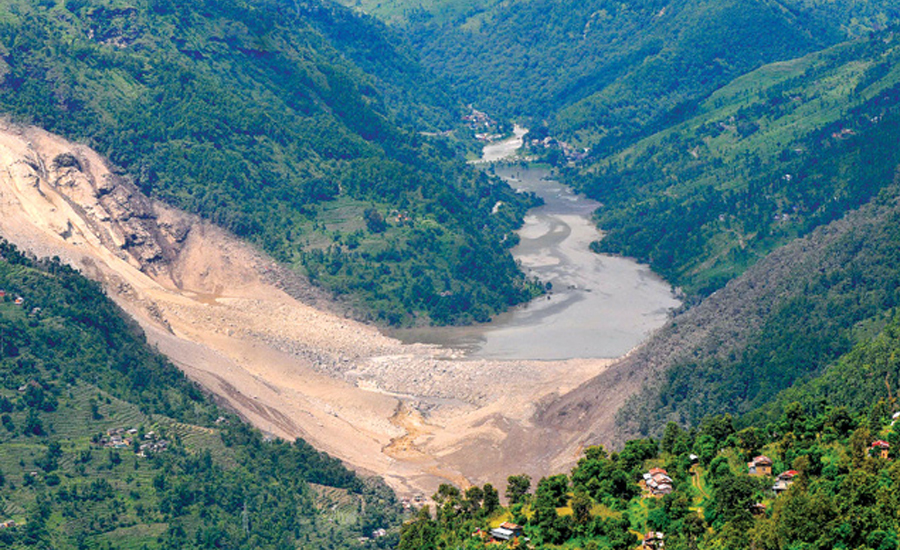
(599, 306)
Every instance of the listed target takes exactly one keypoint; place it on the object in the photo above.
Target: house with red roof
(784, 480)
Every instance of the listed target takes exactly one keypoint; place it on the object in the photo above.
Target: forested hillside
(104, 444)
(787, 319)
(626, 65)
(769, 157)
(859, 379)
(293, 125)
(806, 149)
(602, 73)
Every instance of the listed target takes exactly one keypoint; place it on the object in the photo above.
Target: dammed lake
(599, 305)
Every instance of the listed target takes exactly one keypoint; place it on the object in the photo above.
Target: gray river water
(599, 306)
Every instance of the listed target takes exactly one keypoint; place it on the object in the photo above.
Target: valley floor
(270, 347)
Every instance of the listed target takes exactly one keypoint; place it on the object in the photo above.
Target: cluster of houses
(7, 524)
(571, 153)
(658, 482)
(120, 438)
(476, 119)
(402, 218)
(762, 466)
(483, 125)
(843, 134)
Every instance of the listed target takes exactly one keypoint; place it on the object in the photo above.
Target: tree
(706, 448)
(733, 497)
(636, 452)
(553, 490)
(693, 527)
(517, 488)
(879, 415)
(719, 427)
(491, 499)
(793, 417)
(581, 507)
(672, 435)
(374, 221)
(472, 502)
(859, 445)
(33, 424)
(840, 420)
(447, 499)
(420, 534)
(718, 470)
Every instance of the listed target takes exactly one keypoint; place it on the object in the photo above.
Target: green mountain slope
(75, 377)
(766, 158)
(786, 320)
(864, 379)
(603, 72)
(278, 121)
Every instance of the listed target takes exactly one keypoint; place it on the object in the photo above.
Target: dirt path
(269, 346)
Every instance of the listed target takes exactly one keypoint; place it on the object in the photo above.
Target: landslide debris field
(274, 349)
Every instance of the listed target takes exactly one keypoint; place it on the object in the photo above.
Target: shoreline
(599, 306)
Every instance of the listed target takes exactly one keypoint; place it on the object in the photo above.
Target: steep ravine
(267, 344)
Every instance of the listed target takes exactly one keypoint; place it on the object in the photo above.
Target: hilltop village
(693, 489)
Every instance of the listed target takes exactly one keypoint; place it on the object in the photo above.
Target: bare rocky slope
(263, 341)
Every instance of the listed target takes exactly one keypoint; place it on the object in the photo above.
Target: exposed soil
(268, 344)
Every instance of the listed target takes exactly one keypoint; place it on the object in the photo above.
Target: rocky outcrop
(122, 217)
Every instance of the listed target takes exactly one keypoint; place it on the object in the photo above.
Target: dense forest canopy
(293, 125)
(603, 72)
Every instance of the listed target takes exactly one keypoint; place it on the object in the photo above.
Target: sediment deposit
(272, 347)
